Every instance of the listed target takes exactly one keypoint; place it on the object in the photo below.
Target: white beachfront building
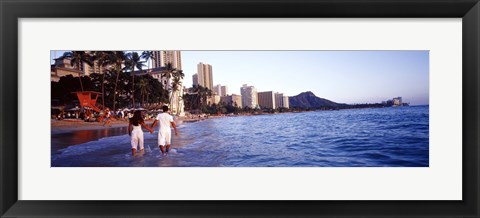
(249, 96)
(160, 61)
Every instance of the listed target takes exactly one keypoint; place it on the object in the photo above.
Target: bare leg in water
(162, 149)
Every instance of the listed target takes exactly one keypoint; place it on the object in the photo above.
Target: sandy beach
(71, 125)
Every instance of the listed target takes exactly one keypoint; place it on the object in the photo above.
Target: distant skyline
(341, 76)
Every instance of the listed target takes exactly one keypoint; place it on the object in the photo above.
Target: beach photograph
(258, 108)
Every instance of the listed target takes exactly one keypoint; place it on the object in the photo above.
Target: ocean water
(374, 137)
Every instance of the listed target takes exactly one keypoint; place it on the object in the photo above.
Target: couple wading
(165, 121)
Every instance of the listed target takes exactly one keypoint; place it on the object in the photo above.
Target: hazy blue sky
(340, 76)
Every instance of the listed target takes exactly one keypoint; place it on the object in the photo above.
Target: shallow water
(373, 137)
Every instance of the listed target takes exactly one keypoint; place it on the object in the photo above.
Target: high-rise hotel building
(249, 96)
(204, 75)
(286, 103)
(281, 100)
(266, 100)
(217, 90)
(235, 100)
(220, 90)
(162, 59)
(224, 90)
(195, 79)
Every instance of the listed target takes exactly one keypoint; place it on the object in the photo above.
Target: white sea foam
(93, 146)
(148, 149)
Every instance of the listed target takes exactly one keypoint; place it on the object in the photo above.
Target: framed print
(224, 108)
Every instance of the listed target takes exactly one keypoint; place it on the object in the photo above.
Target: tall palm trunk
(167, 85)
(116, 84)
(103, 89)
(178, 104)
(80, 76)
(148, 102)
(143, 99)
(195, 100)
(171, 97)
(133, 88)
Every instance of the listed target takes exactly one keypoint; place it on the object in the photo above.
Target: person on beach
(107, 120)
(165, 131)
(87, 116)
(135, 125)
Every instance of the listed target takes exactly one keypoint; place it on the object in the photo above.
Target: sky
(340, 76)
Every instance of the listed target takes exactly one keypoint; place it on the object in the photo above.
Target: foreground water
(396, 137)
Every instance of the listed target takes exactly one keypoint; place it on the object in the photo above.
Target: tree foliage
(151, 94)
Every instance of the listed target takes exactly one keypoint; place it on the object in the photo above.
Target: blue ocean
(372, 137)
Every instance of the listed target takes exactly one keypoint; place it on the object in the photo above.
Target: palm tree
(176, 83)
(102, 59)
(168, 73)
(147, 55)
(134, 61)
(177, 78)
(196, 100)
(77, 58)
(144, 88)
(203, 93)
(118, 59)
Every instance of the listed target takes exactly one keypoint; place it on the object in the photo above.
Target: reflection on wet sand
(63, 140)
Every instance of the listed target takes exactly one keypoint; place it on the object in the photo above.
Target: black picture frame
(12, 10)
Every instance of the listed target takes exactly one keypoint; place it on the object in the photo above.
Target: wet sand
(66, 132)
(64, 139)
(70, 132)
(73, 125)
(69, 126)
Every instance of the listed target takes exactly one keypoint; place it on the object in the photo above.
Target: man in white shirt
(165, 132)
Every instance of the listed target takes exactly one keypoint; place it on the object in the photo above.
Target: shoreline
(72, 125)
